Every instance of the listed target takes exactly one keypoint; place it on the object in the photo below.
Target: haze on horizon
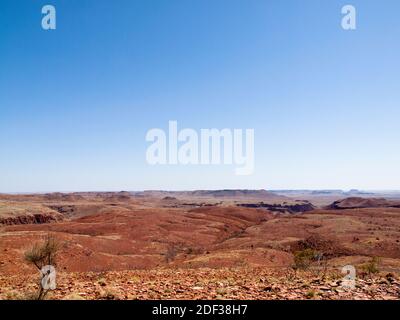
(76, 103)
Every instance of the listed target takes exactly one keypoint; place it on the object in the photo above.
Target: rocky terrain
(221, 284)
(142, 243)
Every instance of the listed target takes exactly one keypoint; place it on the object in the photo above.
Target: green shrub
(372, 266)
(304, 258)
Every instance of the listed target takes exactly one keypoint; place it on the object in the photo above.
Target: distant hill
(328, 192)
(232, 193)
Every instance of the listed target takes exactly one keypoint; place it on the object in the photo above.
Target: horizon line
(211, 189)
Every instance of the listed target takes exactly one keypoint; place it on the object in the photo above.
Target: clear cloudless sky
(77, 102)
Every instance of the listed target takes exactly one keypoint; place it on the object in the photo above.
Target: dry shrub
(43, 254)
(173, 249)
(171, 253)
(40, 255)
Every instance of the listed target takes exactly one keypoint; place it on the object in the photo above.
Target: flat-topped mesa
(358, 203)
(58, 196)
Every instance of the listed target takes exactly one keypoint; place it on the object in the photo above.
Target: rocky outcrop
(169, 199)
(303, 206)
(37, 218)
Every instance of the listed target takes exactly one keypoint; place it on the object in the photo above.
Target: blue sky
(76, 102)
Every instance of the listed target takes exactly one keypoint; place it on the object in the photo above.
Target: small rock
(197, 288)
(324, 288)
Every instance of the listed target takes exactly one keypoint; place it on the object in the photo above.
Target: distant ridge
(224, 193)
